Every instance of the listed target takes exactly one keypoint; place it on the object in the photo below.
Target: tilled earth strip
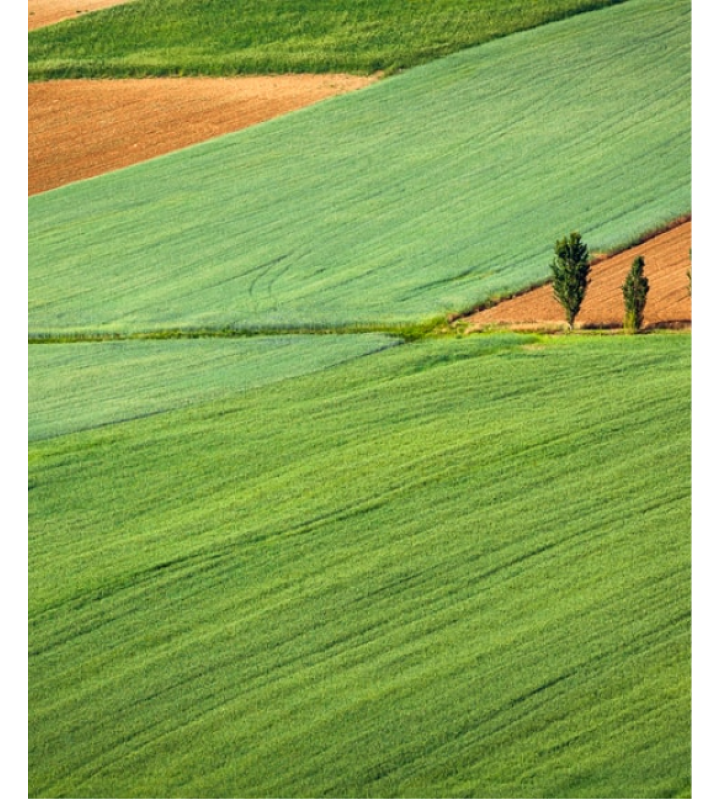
(667, 261)
(82, 128)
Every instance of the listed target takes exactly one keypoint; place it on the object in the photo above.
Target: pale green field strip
(220, 37)
(84, 385)
(424, 194)
(456, 568)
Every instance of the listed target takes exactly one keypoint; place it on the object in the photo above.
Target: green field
(221, 37)
(454, 568)
(73, 387)
(422, 195)
(362, 557)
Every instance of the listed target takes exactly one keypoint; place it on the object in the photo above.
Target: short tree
(570, 270)
(635, 291)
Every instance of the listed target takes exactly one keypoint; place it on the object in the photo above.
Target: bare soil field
(47, 12)
(81, 128)
(667, 261)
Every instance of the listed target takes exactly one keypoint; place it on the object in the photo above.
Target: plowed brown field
(667, 260)
(46, 12)
(81, 128)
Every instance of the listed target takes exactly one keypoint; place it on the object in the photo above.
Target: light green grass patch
(84, 385)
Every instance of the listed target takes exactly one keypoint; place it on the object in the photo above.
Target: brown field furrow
(667, 260)
(81, 128)
(47, 12)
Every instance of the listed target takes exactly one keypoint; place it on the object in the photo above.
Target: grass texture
(73, 387)
(455, 568)
(424, 194)
(223, 37)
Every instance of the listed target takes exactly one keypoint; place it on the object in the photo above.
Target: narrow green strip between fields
(410, 332)
(224, 37)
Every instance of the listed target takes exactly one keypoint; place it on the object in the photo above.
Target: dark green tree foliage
(570, 270)
(635, 291)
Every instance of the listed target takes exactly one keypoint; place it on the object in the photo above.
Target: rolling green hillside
(73, 387)
(424, 194)
(337, 565)
(455, 568)
(213, 37)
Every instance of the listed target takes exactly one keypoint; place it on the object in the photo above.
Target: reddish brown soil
(46, 12)
(667, 260)
(82, 128)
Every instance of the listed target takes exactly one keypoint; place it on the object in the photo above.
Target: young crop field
(421, 195)
(224, 37)
(289, 533)
(458, 567)
(82, 385)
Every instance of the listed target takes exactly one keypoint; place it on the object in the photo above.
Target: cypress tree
(570, 270)
(635, 291)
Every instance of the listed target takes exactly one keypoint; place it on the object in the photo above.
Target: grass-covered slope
(212, 37)
(455, 568)
(77, 386)
(423, 194)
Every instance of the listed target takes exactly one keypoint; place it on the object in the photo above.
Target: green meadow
(422, 195)
(221, 37)
(363, 556)
(73, 387)
(455, 568)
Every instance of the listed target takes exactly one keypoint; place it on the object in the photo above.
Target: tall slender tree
(635, 290)
(570, 270)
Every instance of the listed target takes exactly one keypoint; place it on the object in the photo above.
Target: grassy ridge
(424, 194)
(72, 387)
(221, 37)
(457, 568)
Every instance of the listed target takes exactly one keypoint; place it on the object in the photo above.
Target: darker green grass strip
(408, 332)
(224, 37)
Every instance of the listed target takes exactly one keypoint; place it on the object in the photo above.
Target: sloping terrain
(457, 568)
(667, 261)
(425, 194)
(226, 37)
(336, 566)
(80, 129)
